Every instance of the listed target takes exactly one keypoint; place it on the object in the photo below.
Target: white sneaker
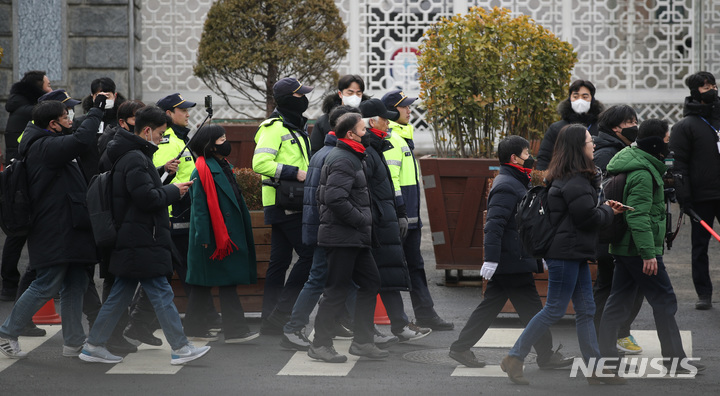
(98, 354)
(412, 332)
(187, 353)
(11, 349)
(69, 351)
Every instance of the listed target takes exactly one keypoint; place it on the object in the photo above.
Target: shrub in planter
(251, 187)
(486, 74)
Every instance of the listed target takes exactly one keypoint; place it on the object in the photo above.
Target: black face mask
(529, 162)
(630, 133)
(366, 139)
(224, 149)
(709, 96)
(293, 104)
(131, 128)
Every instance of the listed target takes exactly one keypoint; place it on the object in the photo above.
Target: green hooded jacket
(644, 192)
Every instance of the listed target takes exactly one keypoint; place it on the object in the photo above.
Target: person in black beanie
(694, 142)
(580, 107)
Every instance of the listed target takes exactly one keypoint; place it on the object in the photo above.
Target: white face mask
(580, 106)
(109, 103)
(352, 100)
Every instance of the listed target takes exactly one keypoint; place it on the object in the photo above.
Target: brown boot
(614, 380)
(514, 369)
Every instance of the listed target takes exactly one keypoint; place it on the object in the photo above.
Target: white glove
(488, 270)
(545, 264)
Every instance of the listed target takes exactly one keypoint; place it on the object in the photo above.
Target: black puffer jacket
(502, 241)
(569, 116)
(23, 97)
(140, 204)
(607, 144)
(310, 213)
(90, 160)
(697, 159)
(389, 256)
(345, 216)
(573, 203)
(61, 232)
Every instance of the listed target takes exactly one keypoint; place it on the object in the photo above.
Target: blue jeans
(71, 281)
(311, 291)
(161, 296)
(422, 302)
(567, 279)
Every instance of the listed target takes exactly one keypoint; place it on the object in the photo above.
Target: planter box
(456, 191)
(250, 295)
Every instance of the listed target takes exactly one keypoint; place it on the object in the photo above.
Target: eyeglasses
(590, 142)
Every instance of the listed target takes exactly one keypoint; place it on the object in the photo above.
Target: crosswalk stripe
(505, 338)
(27, 344)
(149, 359)
(303, 365)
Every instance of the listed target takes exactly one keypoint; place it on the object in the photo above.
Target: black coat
(140, 207)
(697, 159)
(61, 232)
(388, 252)
(607, 144)
(311, 214)
(502, 242)
(568, 116)
(90, 160)
(23, 97)
(573, 204)
(345, 215)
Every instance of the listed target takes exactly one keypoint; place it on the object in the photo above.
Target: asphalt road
(261, 367)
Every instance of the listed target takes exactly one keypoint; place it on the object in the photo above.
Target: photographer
(694, 140)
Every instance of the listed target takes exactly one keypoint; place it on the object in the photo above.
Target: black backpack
(99, 205)
(15, 207)
(533, 219)
(613, 187)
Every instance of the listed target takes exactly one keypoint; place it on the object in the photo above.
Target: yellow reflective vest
(404, 171)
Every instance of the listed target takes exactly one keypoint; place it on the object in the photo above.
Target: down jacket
(311, 215)
(502, 241)
(61, 232)
(388, 254)
(573, 205)
(344, 200)
(140, 202)
(23, 97)
(644, 192)
(697, 157)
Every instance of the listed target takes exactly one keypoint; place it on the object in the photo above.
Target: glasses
(590, 142)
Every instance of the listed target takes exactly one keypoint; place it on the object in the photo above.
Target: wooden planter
(250, 295)
(456, 191)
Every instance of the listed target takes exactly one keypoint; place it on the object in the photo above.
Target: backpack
(15, 206)
(613, 187)
(533, 219)
(99, 205)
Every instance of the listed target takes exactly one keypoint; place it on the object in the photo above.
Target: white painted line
(27, 344)
(149, 359)
(499, 338)
(487, 371)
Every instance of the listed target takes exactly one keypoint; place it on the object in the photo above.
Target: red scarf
(331, 133)
(224, 245)
(353, 145)
(526, 170)
(379, 133)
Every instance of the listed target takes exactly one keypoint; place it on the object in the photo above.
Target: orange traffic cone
(47, 314)
(381, 316)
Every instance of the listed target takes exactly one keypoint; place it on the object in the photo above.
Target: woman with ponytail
(221, 250)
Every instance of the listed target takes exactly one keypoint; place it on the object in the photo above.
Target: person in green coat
(221, 251)
(639, 254)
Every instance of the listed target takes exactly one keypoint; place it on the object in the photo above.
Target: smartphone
(627, 207)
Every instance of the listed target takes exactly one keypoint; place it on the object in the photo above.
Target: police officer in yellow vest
(282, 153)
(405, 176)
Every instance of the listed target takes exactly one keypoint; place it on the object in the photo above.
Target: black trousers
(700, 238)
(347, 267)
(233, 315)
(521, 291)
(660, 295)
(281, 293)
(601, 292)
(12, 250)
